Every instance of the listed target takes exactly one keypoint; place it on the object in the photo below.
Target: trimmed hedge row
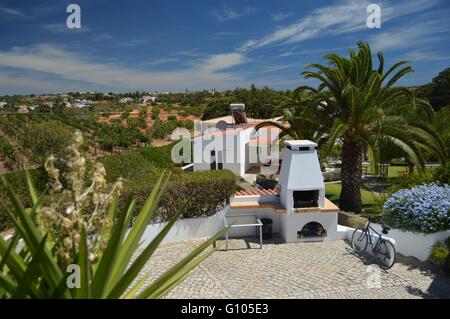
(206, 193)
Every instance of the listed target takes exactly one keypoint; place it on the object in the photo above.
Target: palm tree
(359, 104)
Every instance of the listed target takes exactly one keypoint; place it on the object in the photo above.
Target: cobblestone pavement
(303, 270)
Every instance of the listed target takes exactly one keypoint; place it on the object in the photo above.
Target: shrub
(425, 208)
(159, 156)
(6, 149)
(442, 174)
(351, 220)
(207, 191)
(109, 136)
(440, 254)
(332, 176)
(137, 171)
(407, 180)
(45, 138)
(137, 122)
(266, 182)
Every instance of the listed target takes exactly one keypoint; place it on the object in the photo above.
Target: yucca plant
(35, 264)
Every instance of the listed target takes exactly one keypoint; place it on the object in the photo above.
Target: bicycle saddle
(385, 229)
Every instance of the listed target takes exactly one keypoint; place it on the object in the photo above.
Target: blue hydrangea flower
(424, 208)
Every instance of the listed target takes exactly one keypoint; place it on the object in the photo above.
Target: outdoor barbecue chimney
(238, 113)
(301, 183)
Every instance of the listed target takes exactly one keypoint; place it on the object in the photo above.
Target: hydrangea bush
(424, 208)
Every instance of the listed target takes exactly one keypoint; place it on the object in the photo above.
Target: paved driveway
(309, 270)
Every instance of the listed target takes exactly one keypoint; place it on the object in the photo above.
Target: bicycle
(383, 250)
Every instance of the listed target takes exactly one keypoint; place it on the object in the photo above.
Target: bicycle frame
(367, 230)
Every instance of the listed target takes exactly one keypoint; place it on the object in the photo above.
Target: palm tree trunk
(410, 167)
(351, 174)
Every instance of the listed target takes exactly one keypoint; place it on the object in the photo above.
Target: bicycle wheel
(384, 253)
(359, 240)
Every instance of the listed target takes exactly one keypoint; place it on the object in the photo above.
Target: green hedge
(207, 192)
(442, 174)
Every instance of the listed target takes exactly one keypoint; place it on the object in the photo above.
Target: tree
(438, 91)
(137, 122)
(46, 138)
(355, 103)
(217, 108)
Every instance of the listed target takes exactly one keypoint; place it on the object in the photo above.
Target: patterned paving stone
(302, 270)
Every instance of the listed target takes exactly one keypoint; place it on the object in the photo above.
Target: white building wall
(232, 146)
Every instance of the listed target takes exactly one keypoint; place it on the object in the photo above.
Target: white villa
(232, 142)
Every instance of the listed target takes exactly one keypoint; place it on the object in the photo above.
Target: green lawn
(394, 171)
(368, 198)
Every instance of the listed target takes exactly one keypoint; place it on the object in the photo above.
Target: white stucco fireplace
(298, 207)
(302, 193)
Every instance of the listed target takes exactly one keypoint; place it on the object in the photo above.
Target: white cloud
(12, 12)
(13, 82)
(277, 17)
(130, 43)
(302, 52)
(67, 65)
(343, 17)
(227, 14)
(416, 35)
(62, 28)
(424, 55)
(222, 61)
(158, 62)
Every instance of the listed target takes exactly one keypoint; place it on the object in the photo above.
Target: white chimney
(237, 106)
(301, 183)
(238, 113)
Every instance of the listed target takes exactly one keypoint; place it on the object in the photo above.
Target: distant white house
(79, 104)
(126, 100)
(147, 98)
(23, 109)
(2, 104)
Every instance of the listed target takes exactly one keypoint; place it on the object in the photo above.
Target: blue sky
(201, 44)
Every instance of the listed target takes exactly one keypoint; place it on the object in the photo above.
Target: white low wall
(414, 244)
(188, 228)
(406, 243)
